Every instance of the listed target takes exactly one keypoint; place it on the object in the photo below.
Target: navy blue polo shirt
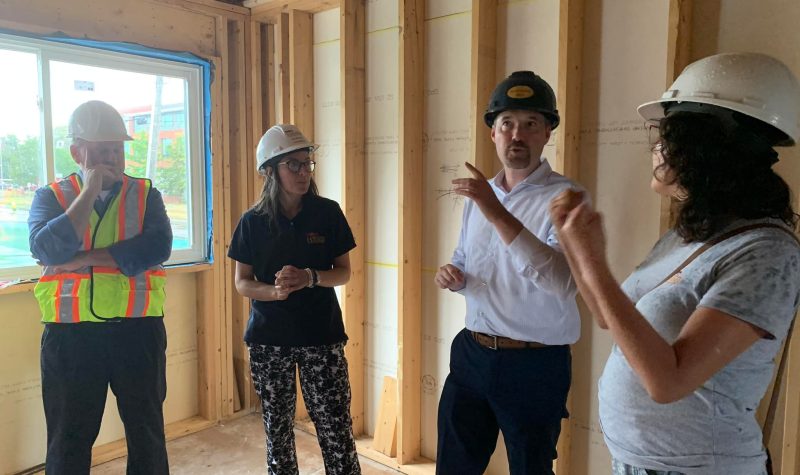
(314, 238)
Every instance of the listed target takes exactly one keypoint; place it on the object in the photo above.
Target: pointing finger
(475, 172)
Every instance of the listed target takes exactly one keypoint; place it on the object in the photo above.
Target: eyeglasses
(295, 166)
(654, 137)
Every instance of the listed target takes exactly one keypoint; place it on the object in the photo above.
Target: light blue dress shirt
(523, 290)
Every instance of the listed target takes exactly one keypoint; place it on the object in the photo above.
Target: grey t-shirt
(754, 276)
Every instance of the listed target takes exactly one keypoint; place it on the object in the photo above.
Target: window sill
(27, 286)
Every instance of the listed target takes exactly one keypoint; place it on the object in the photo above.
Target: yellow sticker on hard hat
(520, 92)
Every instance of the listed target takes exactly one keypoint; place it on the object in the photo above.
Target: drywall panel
(624, 64)
(180, 318)
(442, 8)
(380, 337)
(151, 22)
(22, 427)
(527, 39)
(382, 14)
(735, 25)
(753, 27)
(446, 148)
(382, 160)
(326, 26)
(327, 105)
(382, 76)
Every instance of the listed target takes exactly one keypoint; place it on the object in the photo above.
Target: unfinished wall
(446, 148)
(327, 105)
(200, 28)
(22, 428)
(624, 64)
(380, 327)
(380, 330)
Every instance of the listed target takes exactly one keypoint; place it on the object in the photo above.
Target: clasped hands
(288, 280)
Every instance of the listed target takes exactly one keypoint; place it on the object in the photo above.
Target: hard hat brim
(654, 111)
(311, 148)
(115, 138)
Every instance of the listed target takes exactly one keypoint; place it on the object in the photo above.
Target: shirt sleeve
(344, 241)
(152, 246)
(759, 283)
(51, 237)
(459, 258)
(544, 263)
(240, 249)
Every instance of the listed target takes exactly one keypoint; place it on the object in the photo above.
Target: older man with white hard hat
(101, 237)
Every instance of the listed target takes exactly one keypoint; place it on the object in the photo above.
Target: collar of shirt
(539, 176)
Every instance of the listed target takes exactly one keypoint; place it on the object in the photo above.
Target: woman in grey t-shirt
(694, 351)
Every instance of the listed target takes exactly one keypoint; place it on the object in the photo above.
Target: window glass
(21, 156)
(161, 104)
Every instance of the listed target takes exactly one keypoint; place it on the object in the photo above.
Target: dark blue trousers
(520, 392)
(79, 362)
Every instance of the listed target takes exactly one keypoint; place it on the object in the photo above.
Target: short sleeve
(240, 249)
(343, 236)
(758, 283)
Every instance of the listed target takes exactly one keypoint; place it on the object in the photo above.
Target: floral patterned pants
(326, 391)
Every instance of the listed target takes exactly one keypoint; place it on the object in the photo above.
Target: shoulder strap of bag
(706, 246)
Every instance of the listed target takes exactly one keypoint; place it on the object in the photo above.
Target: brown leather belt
(502, 343)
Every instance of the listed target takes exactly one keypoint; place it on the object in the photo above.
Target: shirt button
(484, 284)
(481, 314)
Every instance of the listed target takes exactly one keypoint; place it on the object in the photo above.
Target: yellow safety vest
(98, 294)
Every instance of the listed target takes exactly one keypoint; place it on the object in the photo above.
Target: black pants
(79, 362)
(521, 392)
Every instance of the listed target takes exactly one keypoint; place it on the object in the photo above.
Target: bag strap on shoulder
(722, 237)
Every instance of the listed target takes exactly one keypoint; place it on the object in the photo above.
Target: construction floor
(236, 448)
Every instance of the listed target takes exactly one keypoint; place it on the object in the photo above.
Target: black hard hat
(523, 90)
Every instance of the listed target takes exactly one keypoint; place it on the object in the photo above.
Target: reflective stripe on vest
(96, 294)
(65, 196)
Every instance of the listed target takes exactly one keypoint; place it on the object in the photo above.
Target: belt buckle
(494, 346)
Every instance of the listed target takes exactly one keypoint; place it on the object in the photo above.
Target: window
(42, 85)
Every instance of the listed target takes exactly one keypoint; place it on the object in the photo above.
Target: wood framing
(410, 151)
(570, 60)
(282, 70)
(570, 53)
(790, 453)
(267, 10)
(268, 112)
(483, 79)
(301, 71)
(238, 185)
(679, 37)
(210, 295)
(353, 99)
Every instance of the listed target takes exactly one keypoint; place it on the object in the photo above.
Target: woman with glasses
(698, 324)
(291, 248)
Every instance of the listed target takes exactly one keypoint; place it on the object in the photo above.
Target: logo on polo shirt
(315, 238)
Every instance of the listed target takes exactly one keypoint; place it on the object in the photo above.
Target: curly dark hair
(725, 171)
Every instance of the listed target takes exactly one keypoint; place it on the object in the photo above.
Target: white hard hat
(279, 140)
(753, 84)
(96, 121)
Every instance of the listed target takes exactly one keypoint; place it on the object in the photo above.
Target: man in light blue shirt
(510, 367)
